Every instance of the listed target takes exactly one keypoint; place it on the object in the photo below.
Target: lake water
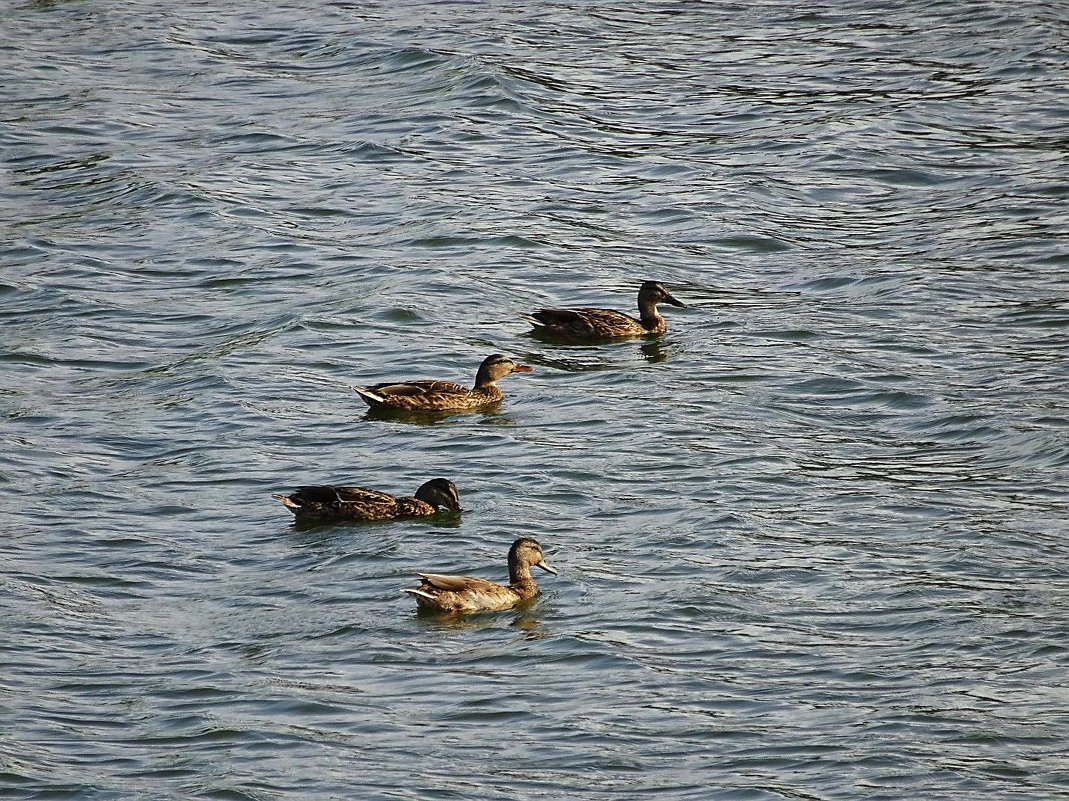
(811, 542)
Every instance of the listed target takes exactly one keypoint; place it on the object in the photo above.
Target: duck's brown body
(433, 395)
(465, 594)
(327, 502)
(587, 324)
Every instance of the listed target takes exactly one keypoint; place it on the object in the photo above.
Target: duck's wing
(331, 501)
(318, 493)
(594, 322)
(362, 495)
(555, 317)
(328, 493)
(446, 583)
(420, 387)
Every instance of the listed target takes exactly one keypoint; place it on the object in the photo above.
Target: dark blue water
(811, 541)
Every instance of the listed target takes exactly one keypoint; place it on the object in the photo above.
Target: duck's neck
(487, 385)
(483, 380)
(647, 314)
(408, 507)
(520, 578)
(488, 389)
(650, 319)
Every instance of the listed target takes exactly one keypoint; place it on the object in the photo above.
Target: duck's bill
(546, 567)
(522, 368)
(676, 302)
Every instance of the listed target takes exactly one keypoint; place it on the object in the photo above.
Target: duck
(586, 324)
(328, 502)
(431, 395)
(466, 594)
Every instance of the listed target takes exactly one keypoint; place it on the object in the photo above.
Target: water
(811, 542)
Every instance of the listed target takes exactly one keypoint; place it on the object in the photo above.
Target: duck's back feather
(458, 583)
(428, 396)
(420, 387)
(351, 494)
(587, 322)
(327, 502)
(442, 593)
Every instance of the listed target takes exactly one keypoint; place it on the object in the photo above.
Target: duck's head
(527, 552)
(439, 493)
(496, 367)
(655, 292)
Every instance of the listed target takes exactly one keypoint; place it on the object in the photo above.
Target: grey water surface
(812, 542)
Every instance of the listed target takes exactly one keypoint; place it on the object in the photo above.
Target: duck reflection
(588, 358)
(525, 616)
(327, 532)
(489, 414)
(654, 350)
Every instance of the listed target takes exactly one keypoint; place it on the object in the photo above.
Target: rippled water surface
(811, 541)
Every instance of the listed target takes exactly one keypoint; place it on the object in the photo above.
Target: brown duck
(461, 594)
(586, 324)
(430, 395)
(325, 502)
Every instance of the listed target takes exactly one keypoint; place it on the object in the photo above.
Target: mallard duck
(325, 502)
(460, 594)
(430, 395)
(606, 323)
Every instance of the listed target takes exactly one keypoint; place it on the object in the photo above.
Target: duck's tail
(418, 594)
(532, 320)
(369, 397)
(288, 503)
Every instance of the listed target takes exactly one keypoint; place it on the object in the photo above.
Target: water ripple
(810, 541)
